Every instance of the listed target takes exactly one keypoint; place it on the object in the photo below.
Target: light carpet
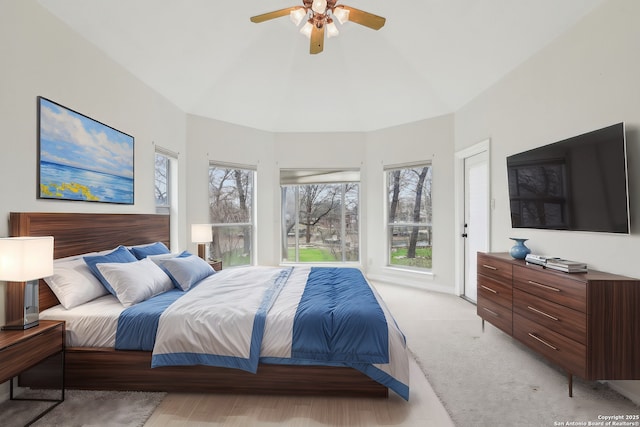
(487, 378)
(83, 408)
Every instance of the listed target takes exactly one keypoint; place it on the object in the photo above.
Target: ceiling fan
(319, 16)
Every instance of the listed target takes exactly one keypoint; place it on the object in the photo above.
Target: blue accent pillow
(120, 254)
(185, 254)
(186, 271)
(142, 251)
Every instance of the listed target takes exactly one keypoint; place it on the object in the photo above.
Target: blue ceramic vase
(519, 250)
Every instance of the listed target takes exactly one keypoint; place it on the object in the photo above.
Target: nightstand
(216, 264)
(21, 350)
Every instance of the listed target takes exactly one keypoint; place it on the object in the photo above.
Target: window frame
(296, 178)
(252, 213)
(171, 177)
(389, 226)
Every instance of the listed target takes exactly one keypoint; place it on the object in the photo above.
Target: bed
(108, 368)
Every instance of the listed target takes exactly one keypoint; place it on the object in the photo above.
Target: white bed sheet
(92, 324)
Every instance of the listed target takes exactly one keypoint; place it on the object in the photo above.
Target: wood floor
(422, 410)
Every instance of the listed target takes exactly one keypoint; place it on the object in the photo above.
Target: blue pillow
(120, 254)
(141, 252)
(186, 271)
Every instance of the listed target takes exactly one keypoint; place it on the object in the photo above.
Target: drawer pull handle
(491, 312)
(489, 289)
(542, 341)
(551, 288)
(542, 312)
(490, 267)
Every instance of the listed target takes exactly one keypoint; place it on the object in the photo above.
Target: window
(231, 213)
(409, 211)
(320, 215)
(165, 176)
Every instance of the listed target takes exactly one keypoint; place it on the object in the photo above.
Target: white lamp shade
(201, 233)
(26, 258)
(341, 14)
(332, 30)
(307, 29)
(319, 6)
(298, 15)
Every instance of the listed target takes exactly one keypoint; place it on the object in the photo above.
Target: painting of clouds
(82, 159)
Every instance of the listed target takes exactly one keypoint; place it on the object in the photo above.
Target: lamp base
(23, 312)
(202, 251)
(20, 327)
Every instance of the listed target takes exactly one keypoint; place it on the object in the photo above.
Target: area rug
(486, 378)
(83, 408)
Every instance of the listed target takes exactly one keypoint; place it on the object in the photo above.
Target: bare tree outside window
(410, 216)
(231, 213)
(161, 183)
(320, 222)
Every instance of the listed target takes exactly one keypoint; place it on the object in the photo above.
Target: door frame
(459, 191)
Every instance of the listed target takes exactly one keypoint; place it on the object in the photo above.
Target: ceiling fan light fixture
(298, 15)
(319, 6)
(307, 29)
(332, 30)
(319, 18)
(341, 14)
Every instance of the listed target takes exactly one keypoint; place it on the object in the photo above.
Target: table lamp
(23, 261)
(201, 234)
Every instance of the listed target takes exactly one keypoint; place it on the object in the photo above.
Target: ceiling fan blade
(317, 40)
(365, 18)
(272, 15)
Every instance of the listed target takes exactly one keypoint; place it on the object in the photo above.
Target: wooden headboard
(79, 233)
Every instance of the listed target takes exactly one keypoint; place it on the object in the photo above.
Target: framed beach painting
(81, 158)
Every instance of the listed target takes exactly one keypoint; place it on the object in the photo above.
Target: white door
(476, 218)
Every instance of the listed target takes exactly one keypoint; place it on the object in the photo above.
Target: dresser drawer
(569, 354)
(499, 316)
(494, 290)
(565, 321)
(495, 268)
(552, 286)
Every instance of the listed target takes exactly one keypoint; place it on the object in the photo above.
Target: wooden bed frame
(109, 369)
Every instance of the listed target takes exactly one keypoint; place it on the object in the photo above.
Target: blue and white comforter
(303, 315)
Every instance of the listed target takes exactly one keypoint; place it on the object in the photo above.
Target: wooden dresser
(586, 323)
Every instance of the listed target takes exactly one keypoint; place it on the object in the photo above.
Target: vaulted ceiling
(431, 58)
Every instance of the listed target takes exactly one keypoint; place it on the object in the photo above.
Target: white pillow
(73, 283)
(135, 281)
(159, 257)
(186, 271)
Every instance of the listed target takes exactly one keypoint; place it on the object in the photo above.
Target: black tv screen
(578, 184)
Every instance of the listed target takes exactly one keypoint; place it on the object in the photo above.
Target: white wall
(213, 140)
(41, 56)
(317, 150)
(587, 79)
(427, 140)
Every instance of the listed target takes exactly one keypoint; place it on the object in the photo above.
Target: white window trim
(293, 177)
(388, 225)
(254, 216)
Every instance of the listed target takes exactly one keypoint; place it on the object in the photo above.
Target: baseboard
(629, 389)
(411, 282)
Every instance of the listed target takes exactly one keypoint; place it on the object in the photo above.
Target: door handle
(465, 235)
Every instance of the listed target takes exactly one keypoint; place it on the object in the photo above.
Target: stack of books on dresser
(555, 263)
(566, 265)
(537, 259)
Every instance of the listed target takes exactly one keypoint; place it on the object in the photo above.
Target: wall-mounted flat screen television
(576, 184)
